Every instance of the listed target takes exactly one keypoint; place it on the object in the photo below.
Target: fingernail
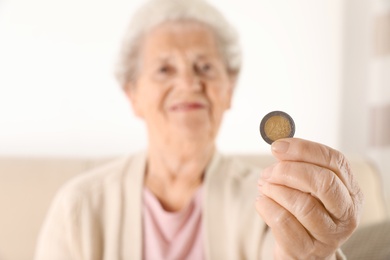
(258, 197)
(280, 146)
(267, 172)
(260, 182)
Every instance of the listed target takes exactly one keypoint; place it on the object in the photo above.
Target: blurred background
(326, 63)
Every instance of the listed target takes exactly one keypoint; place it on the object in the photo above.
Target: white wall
(366, 85)
(379, 91)
(58, 95)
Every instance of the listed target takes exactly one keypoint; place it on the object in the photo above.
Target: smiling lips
(187, 106)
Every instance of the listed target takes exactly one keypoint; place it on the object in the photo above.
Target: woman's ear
(131, 94)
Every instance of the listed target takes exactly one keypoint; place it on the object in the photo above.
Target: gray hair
(156, 12)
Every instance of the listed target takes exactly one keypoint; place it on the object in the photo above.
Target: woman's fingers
(295, 149)
(283, 224)
(317, 181)
(299, 150)
(309, 212)
(292, 239)
(310, 198)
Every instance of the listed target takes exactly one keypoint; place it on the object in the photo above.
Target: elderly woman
(181, 199)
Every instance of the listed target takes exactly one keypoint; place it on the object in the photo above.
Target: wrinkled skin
(181, 93)
(309, 199)
(182, 90)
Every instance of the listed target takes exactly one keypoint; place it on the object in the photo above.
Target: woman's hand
(309, 199)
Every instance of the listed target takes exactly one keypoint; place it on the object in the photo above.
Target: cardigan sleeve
(56, 232)
(61, 234)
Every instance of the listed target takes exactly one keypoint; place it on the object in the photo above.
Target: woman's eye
(164, 69)
(204, 68)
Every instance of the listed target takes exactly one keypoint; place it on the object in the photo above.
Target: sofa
(27, 186)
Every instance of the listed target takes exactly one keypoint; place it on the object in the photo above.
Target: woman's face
(182, 88)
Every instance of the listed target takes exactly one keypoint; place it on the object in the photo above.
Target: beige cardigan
(98, 214)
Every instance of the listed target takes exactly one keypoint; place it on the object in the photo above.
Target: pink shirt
(172, 235)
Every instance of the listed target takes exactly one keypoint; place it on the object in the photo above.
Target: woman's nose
(189, 80)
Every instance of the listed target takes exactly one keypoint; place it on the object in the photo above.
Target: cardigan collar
(132, 215)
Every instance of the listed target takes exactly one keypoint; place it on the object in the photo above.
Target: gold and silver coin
(276, 125)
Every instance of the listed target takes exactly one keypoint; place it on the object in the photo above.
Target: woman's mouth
(187, 106)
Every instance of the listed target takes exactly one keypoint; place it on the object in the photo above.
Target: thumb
(280, 149)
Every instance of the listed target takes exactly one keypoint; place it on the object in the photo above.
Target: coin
(276, 125)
